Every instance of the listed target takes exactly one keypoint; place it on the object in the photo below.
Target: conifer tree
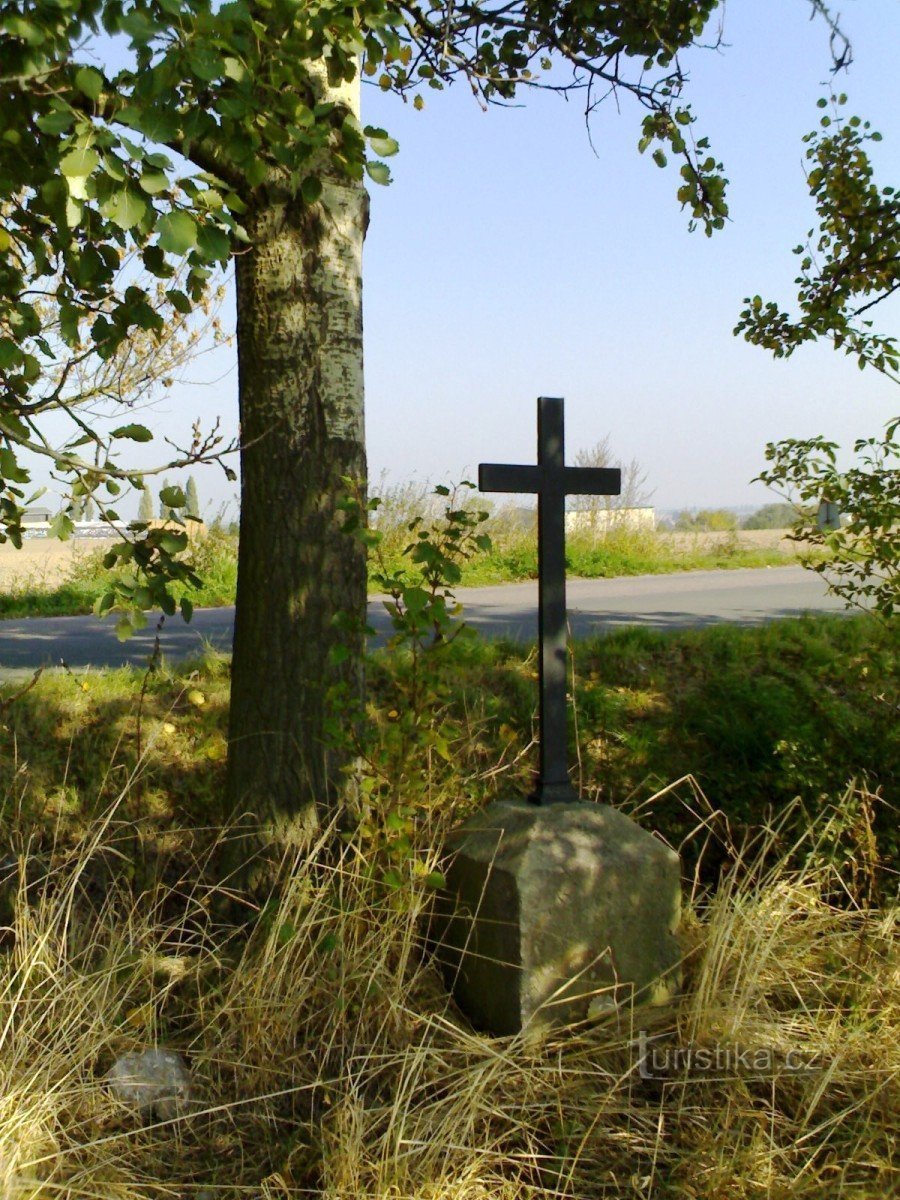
(192, 508)
(145, 505)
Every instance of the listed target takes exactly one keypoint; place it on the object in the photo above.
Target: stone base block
(554, 913)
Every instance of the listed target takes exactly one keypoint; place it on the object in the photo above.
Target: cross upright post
(551, 480)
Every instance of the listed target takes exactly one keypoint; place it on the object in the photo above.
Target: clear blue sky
(509, 260)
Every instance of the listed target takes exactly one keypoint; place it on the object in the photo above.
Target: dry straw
(329, 1062)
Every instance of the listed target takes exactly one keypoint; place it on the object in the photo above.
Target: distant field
(43, 561)
(48, 561)
(52, 578)
(747, 539)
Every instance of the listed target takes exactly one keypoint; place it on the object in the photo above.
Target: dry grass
(41, 562)
(329, 1062)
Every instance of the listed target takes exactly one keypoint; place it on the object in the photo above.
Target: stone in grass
(154, 1082)
(557, 913)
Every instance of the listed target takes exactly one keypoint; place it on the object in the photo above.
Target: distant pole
(551, 480)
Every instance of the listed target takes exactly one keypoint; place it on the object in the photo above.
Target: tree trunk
(299, 326)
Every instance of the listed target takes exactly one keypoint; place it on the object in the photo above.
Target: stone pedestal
(555, 913)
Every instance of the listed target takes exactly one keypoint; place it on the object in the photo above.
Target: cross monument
(555, 909)
(551, 480)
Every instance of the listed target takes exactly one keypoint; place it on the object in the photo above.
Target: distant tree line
(724, 520)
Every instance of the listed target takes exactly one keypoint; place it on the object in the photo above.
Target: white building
(602, 520)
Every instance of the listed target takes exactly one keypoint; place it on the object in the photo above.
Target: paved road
(694, 598)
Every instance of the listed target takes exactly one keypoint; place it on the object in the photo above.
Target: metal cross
(552, 480)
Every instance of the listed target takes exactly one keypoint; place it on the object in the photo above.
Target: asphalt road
(695, 598)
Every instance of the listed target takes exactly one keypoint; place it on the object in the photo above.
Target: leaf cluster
(848, 264)
(407, 729)
(863, 554)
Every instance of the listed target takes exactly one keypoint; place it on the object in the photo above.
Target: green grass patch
(753, 719)
(620, 553)
(513, 554)
(756, 717)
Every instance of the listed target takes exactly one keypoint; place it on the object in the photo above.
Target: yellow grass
(329, 1062)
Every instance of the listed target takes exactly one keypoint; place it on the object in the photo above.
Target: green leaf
(256, 172)
(379, 172)
(10, 354)
(55, 122)
(311, 189)
(134, 433)
(173, 497)
(179, 302)
(187, 608)
(172, 543)
(177, 232)
(138, 26)
(213, 243)
(79, 163)
(205, 63)
(61, 527)
(384, 147)
(27, 31)
(90, 82)
(104, 603)
(124, 629)
(125, 209)
(234, 69)
(9, 467)
(153, 182)
(158, 161)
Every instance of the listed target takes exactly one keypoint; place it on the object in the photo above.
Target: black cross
(552, 480)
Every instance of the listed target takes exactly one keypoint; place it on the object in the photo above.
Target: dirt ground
(43, 562)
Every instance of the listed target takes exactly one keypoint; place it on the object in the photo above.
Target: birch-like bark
(300, 361)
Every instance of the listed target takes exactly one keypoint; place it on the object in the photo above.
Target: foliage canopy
(849, 265)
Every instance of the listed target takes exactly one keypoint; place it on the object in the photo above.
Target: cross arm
(499, 477)
(592, 481)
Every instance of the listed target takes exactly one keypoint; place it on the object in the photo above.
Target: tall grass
(621, 550)
(329, 1061)
(758, 716)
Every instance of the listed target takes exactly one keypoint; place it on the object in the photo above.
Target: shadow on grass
(756, 716)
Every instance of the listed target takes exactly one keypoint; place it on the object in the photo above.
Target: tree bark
(299, 325)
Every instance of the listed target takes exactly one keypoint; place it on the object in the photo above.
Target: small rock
(154, 1082)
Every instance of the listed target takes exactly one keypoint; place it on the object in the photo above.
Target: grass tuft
(328, 1060)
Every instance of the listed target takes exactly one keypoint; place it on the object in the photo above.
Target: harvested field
(42, 562)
